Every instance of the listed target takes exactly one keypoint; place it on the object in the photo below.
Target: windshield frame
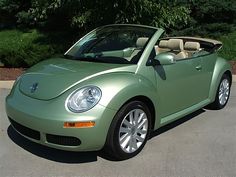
(115, 26)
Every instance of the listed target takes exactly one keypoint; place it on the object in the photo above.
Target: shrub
(228, 51)
(212, 30)
(23, 49)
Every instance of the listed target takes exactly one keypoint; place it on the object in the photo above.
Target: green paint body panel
(175, 91)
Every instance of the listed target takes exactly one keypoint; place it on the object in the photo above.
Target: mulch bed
(233, 64)
(13, 73)
(10, 73)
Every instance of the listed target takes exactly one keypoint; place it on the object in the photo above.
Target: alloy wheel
(133, 130)
(224, 91)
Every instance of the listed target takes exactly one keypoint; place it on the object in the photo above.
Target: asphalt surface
(201, 144)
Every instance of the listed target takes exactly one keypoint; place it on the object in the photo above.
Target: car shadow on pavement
(176, 123)
(80, 157)
(50, 153)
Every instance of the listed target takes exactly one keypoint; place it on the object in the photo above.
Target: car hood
(51, 78)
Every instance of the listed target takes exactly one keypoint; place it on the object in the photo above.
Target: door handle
(199, 67)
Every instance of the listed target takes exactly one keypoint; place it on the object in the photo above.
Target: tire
(126, 138)
(223, 93)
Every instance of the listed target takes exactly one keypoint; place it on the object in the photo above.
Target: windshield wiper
(99, 58)
(68, 56)
(90, 59)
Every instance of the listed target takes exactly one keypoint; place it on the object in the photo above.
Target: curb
(9, 84)
(6, 84)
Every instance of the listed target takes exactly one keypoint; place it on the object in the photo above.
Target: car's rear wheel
(129, 131)
(223, 93)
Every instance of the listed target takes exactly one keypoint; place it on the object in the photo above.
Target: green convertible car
(116, 85)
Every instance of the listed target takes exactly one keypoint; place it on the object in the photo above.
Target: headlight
(84, 99)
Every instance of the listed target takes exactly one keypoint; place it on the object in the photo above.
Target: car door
(179, 85)
(207, 66)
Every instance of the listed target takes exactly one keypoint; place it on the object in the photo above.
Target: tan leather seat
(191, 48)
(176, 47)
(162, 47)
(140, 43)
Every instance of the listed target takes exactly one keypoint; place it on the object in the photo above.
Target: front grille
(63, 140)
(25, 130)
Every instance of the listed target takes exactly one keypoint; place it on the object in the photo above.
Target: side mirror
(165, 58)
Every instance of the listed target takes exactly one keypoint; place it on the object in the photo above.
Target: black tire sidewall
(217, 101)
(113, 142)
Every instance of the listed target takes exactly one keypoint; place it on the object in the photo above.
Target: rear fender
(221, 67)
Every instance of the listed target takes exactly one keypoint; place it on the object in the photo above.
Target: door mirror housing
(165, 58)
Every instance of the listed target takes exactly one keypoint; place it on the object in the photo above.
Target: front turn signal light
(88, 124)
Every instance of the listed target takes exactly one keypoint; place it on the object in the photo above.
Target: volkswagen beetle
(116, 85)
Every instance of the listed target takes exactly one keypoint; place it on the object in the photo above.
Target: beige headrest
(192, 46)
(141, 41)
(176, 44)
(163, 44)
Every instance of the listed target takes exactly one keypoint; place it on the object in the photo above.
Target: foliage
(89, 14)
(85, 15)
(21, 49)
(9, 10)
(213, 11)
(212, 30)
(59, 21)
(150, 12)
(228, 50)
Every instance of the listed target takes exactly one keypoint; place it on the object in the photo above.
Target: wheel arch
(149, 104)
(221, 67)
(229, 74)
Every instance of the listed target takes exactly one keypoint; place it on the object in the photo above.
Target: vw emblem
(34, 87)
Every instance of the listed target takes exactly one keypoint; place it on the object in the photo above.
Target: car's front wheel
(223, 93)
(129, 131)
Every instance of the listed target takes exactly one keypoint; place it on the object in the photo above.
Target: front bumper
(42, 122)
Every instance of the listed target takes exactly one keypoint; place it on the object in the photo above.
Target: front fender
(127, 86)
(221, 66)
(117, 88)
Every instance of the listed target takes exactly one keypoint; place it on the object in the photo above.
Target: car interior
(181, 48)
(131, 54)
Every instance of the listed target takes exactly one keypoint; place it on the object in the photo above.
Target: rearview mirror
(165, 58)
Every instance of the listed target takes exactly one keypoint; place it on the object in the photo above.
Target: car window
(116, 41)
(113, 44)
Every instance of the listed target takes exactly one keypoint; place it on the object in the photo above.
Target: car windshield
(112, 44)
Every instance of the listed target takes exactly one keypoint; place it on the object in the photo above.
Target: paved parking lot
(201, 144)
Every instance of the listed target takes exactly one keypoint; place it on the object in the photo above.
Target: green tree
(213, 11)
(62, 14)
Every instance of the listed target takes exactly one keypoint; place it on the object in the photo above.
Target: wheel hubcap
(224, 92)
(133, 130)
